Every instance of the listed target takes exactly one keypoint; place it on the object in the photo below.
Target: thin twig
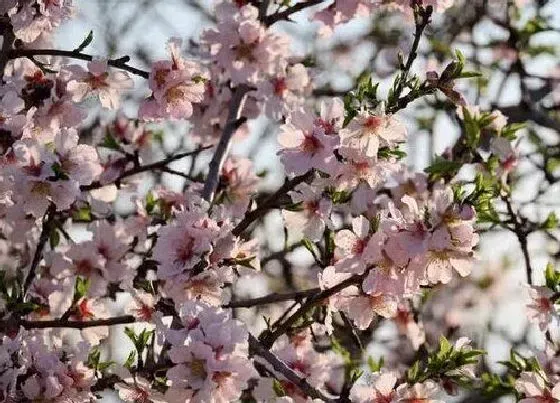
(273, 298)
(63, 323)
(144, 168)
(422, 18)
(284, 15)
(234, 120)
(269, 337)
(38, 255)
(521, 235)
(8, 38)
(270, 202)
(120, 63)
(257, 348)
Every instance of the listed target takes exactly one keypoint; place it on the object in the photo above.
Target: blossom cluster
(378, 233)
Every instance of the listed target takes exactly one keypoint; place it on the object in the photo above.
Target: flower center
(280, 86)
(198, 368)
(97, 82)
(373, 122)
(311, 144)
(244, 51)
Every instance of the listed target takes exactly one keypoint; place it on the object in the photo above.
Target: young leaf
(87, 40)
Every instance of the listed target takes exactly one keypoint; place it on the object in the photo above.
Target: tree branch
(257, 348)
(38, 255)
(269, 337)
(8, 38)
(120, 63)
(273, 298)
(159, 165)
(285, 14)
(234, 120)
(270, 202)
(521, 235)
(61, 323)
(422, 18)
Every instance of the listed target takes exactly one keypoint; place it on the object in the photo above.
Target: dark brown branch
(257, 348)
(269, 337)
(285, 14)
(120, 63)
(38, 255)
(234, 120)
(422, 19)
(8, 38)
(271, 202)
(159, 165)
(273, 298)
(521, 235)
(59, 323)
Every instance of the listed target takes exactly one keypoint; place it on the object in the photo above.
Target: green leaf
(511, 130)
(444, 346)
(82, 214)
(150, 202)
(460, 56)
(130, 361)
(23, 308)
(94, 361)
(385, 152)
(278, 388)
(470, 74)
(552, 277)
(413, 372)
(551, 221)
(54, 238)
(310, 246)
(472, 128)
(110, 142)
(442, 168)
(81, 288)
(340, 197)
(375, 366)
(87, 40)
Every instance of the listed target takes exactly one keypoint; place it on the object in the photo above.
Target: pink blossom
(356, 249)
(32, 182)
(425, 392)
(211, 358)
(175, 85)
(306, 145)
(373, 173)
(284, 92)
(366, 133)
(341, 12)
(106, 84)
(540, 309)
(507, 155)
(79, 161)
(379, 390)
(182, 244)
(240, 183)
(138, 390)
(210, 116)
(142, 305)
(361, 308)
(314, 215)
(243, 48)
(10, 117)
(298, 353)
(408, 326)
(533, 386)
(40, 16)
